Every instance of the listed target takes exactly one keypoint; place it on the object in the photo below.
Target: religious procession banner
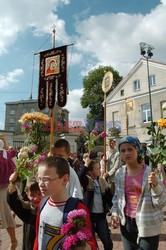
(53, 70)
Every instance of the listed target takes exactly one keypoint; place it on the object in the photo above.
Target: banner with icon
(53, 70)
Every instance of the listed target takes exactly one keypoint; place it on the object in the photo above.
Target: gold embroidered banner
(53, 69)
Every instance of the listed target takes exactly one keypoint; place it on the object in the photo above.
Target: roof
(132, 72)
(22, 101)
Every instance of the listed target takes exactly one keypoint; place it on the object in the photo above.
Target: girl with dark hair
(138, 200)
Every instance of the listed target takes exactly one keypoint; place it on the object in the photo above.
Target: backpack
(71, 204)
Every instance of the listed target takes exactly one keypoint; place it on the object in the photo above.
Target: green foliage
(93, 95)
(158, 145)
(114, 131)
(93, 138)
(36, 135)
(81, 139)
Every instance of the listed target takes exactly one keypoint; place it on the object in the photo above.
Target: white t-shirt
(51, 220)
(97, 200)
(73, 186)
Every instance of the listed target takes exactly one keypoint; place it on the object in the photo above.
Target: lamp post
(146, 51)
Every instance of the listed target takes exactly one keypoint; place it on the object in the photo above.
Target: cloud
(113, 39)
(10, 77)
(74, 58)
(77, 113)
(21, 15)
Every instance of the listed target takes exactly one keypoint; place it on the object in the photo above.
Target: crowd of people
(128, 191)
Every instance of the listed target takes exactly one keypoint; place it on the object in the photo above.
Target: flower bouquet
(158, 145)
(92, 139)
(28, 161)
(77, 235)
(33, 126)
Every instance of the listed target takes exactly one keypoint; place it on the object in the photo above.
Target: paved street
(115, 235)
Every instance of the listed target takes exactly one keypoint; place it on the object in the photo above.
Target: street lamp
(146, 51)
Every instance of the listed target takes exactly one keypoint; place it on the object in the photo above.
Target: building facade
(14, 111)
(128, 104)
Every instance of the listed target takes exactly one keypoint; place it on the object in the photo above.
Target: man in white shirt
(62, 149)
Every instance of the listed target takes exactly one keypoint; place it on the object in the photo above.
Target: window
(24, 111)
(11, 120)
(163, 109)
(146, 116)
(12, 112)
(152, 80)
(11, 129)
(115, 118)
(122, 92)
(136, 85)
(33, 110)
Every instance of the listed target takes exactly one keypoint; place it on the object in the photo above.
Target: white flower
(24, 149)
(23, 154)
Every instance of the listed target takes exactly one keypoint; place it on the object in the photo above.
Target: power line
(33, 64)
(62, 38)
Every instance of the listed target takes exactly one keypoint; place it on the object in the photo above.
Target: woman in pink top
(7, 167)
(138, 200)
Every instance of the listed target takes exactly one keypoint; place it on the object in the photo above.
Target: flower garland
(77, 235)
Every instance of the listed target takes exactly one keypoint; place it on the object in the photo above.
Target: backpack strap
(71, 204)
(43, 203)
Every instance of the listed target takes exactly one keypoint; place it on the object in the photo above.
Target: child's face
(128, 153)
(96, 171)
(61, 152)
(34, 197)
(50, 183)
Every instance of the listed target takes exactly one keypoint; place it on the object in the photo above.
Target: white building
(128, 104)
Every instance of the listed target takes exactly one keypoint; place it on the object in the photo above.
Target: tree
(93, 95)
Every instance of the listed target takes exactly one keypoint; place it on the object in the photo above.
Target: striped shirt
(149, 214)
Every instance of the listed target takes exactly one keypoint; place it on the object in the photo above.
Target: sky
(104, 32)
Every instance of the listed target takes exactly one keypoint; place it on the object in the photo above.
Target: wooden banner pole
(52, 111)
(105, 168)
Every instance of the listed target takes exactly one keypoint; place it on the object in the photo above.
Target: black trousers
(100, 226)
(129, 235)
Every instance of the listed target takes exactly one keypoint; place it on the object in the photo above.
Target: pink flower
(81, 235)
(40, 159)
(31, 166)
(66, 228)
(76, 213)
(94, 132)
(26, 127)
(103, 134)
(69, 242)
